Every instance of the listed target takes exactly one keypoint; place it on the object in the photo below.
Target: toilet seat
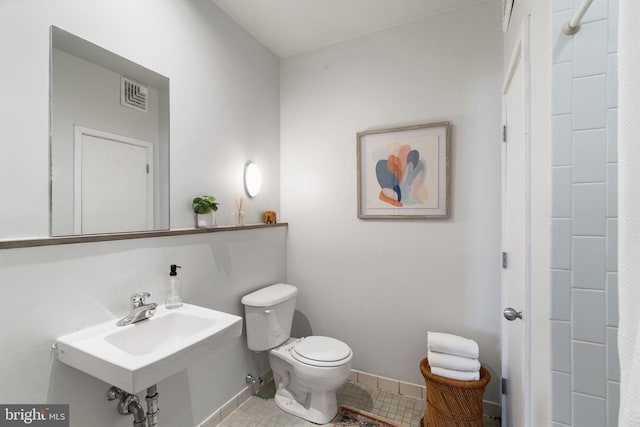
(321, 351)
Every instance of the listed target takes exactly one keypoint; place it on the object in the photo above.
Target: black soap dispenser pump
(174, 296)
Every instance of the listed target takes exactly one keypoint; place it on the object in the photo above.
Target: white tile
(588, 411)
(212, 421)
(589, 209)
(612, 299)
(613, 26)
(597, 11)
(590, 49)
(560, 295)
(562, 88)
(589, 307)
(561, 346)
(612, 190)
(612, 244)
(412, 390)
(388, 384)
(561, 203)
(561, 5)
(590, 156)
(612, 81)
(227, 409)
(561, 401)
(612, 135)
(613, 403)
(589, 369)
(589, 262)
(244, 395)
(562, 140)
(562, 43)
(613, 361)
(589, 102)
(561, 244)
(367, 379)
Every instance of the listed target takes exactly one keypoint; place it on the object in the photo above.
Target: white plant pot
(207, 220)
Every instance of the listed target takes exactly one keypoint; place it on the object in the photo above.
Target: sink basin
(136, 356)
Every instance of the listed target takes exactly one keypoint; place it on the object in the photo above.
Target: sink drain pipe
(152, 406)
(130, 405)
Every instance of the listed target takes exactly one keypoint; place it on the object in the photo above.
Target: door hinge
(504, 133)
(147, 168)
(504, 386)
(504, 260)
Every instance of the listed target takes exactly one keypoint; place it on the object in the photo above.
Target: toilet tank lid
(271, 295)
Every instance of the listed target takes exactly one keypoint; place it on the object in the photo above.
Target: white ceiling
(289, 27)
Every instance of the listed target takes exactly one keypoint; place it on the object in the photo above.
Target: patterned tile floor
(407, 411)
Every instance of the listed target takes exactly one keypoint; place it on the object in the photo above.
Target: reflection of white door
(516, 237)
(113, 183)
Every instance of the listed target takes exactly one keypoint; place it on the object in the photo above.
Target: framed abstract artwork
(404, 172)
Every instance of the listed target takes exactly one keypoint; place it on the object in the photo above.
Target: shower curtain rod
(573, 26)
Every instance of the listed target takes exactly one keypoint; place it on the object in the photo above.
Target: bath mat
(348, 416)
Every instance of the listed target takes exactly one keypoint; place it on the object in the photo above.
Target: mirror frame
(92, 238)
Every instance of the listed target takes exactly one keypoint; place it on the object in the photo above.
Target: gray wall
(224, 101)
(52, 291)
(584, 316)
(380, 285)
(224, 110)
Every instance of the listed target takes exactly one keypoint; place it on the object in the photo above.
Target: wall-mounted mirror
(109, 135)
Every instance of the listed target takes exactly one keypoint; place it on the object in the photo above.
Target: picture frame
(404, 172)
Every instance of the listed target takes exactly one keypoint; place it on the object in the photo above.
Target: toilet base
(319, 407)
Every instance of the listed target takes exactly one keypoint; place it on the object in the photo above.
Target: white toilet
(307, 371)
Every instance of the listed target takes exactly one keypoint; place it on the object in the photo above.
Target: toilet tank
(269, 315)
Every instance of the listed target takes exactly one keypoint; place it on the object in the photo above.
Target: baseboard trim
(225, 410)
(415, 391)
(491, 409)
(235, 402)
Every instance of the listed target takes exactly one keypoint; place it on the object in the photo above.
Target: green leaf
(204, 204)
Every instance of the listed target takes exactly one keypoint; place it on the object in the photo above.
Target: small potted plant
(205, 207)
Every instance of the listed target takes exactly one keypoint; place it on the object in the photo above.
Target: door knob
(511, 314)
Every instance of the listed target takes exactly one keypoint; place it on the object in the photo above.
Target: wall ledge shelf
(92, 238)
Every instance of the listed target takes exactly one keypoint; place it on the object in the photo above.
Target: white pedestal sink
(139, 355)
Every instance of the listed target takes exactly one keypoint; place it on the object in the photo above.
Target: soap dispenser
(174, 296)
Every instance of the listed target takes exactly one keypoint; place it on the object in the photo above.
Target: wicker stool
(453, 403)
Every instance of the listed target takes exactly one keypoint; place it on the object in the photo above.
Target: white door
(113, 183)
(516, 236)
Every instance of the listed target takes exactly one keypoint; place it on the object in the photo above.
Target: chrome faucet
(139, 310)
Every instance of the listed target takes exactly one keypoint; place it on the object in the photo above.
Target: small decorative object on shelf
(239, 211)
(269, 217)
(205, 207)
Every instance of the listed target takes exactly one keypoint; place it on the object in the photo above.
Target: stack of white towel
(452, 356)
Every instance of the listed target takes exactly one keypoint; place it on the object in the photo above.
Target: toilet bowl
(307, 371)
(306, 383)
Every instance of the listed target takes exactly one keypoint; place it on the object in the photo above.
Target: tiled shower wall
(584, 307)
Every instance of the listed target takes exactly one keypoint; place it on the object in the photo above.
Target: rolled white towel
(455, 375)
(449, 361)
(452, 344)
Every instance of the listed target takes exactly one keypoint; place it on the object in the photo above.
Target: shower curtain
(629, 211)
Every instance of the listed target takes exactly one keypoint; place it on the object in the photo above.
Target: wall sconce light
(252, 179)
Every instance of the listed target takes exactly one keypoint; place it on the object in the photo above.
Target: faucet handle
(138, 299)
